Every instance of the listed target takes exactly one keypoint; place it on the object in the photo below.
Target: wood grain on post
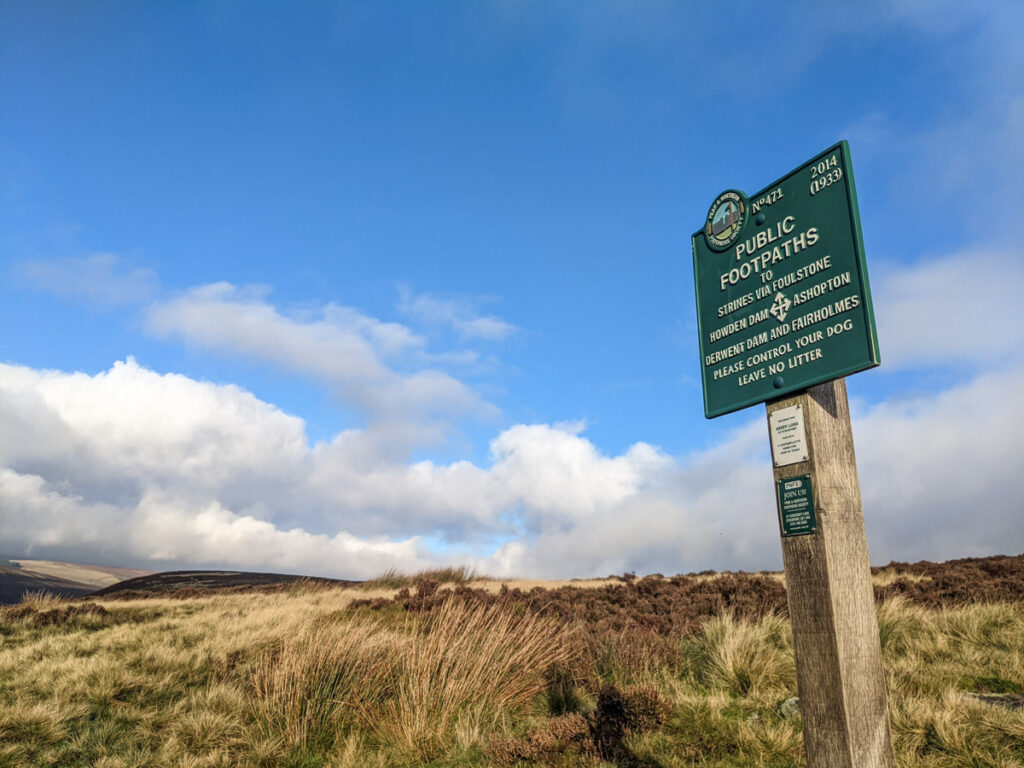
(841, 683)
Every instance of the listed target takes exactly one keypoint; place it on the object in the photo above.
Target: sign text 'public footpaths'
(783, 301)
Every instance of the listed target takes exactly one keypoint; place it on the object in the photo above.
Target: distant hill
(21, 575)
(191, 582)
(15, 582)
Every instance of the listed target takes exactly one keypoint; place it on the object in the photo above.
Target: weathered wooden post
(828, 584)
(784, 313)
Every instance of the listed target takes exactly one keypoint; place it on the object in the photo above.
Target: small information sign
(788, 436)
(796, 506)
(783, 301)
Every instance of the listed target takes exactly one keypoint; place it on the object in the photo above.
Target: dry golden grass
(419, 687)
(463, 668)
(742, 658)
(886, 576)
(295, 678)
(326, 674)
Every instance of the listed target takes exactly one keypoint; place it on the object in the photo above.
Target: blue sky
(337, 287)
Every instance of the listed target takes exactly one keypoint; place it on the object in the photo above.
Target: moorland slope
(447, 670)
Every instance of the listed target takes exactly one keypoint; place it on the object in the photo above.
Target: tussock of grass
(743, 658)
(420, 687)
(393, 579)
(457, 575)
(390, 579)
(315, 686)
(40, 599)
(467, 666)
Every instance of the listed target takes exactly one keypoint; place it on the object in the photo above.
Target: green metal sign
(796, 506)
(783, 301)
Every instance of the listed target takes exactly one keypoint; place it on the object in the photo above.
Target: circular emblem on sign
(726, 218)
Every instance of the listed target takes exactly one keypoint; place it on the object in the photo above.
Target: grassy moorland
(446, 670)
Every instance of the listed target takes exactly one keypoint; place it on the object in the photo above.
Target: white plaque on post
(789, 438)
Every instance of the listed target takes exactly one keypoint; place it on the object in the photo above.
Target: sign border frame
(862, 269)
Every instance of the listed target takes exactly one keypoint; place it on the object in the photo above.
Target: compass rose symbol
(780, 307)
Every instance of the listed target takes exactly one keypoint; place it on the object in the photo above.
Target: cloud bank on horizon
(169, 433)
(131, 465)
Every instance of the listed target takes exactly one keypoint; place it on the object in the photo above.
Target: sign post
(784, 313)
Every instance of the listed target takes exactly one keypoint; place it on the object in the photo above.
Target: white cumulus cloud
(130, 466)
(338, 345)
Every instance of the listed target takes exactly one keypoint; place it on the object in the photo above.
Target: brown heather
(448, 670)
